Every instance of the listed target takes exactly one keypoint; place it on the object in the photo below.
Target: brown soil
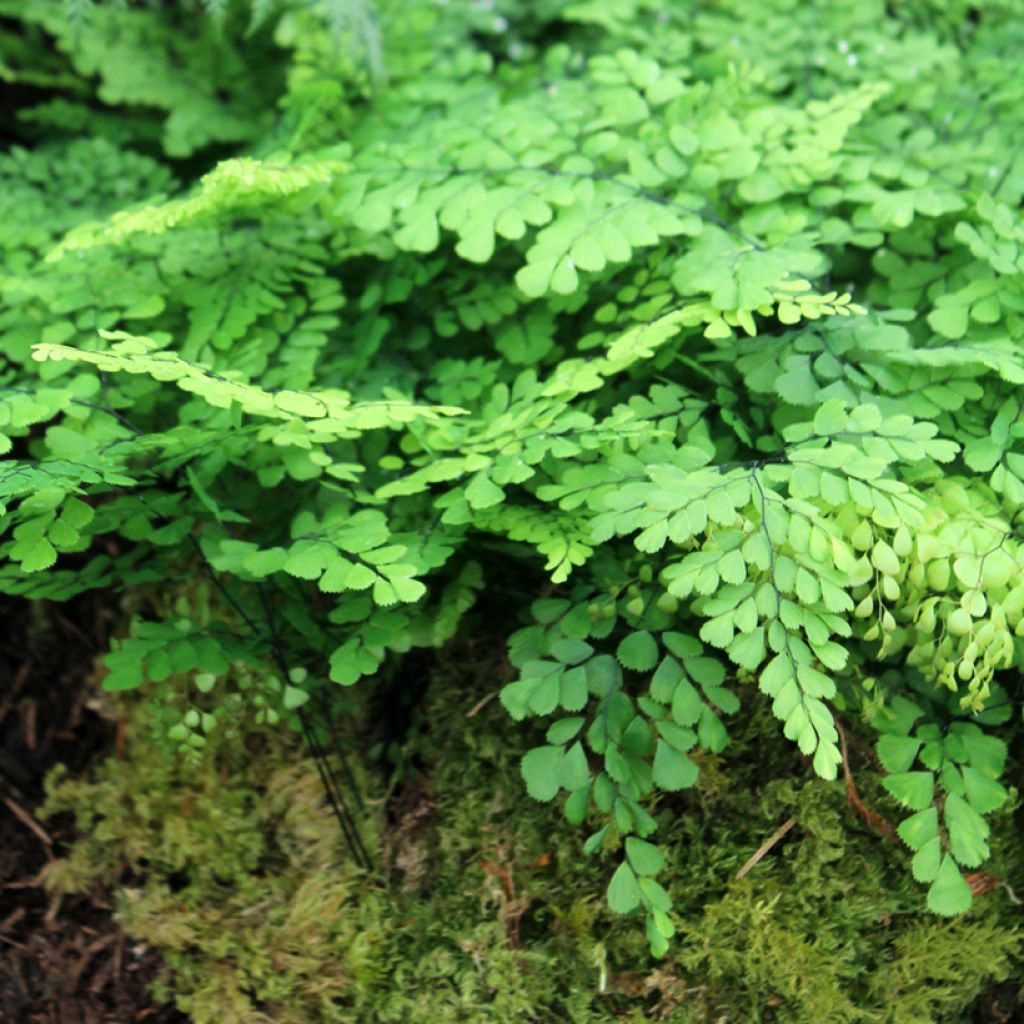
(61, 961)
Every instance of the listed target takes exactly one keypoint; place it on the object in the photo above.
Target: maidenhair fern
(697, 350)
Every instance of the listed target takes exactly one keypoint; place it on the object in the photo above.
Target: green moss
(938, 970)
(484, 910)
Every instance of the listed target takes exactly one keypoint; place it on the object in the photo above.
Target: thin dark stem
(334, 791)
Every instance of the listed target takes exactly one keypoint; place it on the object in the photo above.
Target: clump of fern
(690, 356)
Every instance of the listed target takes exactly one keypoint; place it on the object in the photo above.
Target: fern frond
(234, 188)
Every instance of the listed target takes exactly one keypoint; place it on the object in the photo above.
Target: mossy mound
(484, 910)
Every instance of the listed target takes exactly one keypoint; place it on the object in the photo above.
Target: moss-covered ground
(482, 909)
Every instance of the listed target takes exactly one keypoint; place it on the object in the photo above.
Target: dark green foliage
(168, 63)
(691, 354)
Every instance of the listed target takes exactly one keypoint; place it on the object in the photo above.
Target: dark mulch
(1001, 1004)
(61, 961)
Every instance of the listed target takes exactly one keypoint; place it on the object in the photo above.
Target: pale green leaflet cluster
(717, 337)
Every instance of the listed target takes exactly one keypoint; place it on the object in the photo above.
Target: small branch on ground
(766, 846)
(29, 822)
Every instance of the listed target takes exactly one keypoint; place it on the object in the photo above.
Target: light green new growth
(236, 187)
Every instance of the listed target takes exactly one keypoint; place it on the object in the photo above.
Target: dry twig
(766, 846)
(29, 822)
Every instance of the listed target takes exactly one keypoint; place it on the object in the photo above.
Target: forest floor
(67, 961)
(62, 960)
